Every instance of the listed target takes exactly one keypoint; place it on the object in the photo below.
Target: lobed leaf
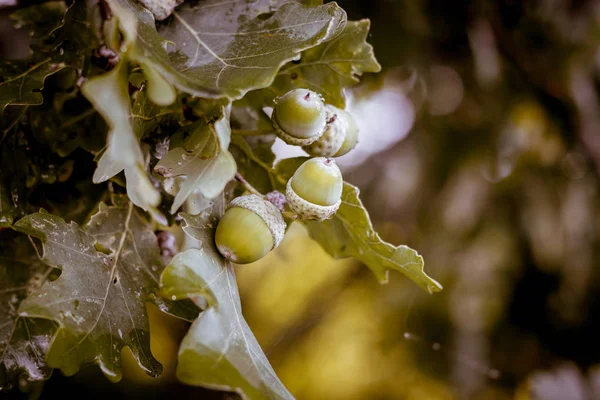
(219, 351)
(61, 37)
(109, 95)
(332, 66)
(78, 36)
(216, 49)
(328, 68)
(350, 233)
(110, 268)
(21, 81)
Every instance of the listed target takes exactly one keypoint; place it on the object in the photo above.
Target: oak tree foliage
(117, 126)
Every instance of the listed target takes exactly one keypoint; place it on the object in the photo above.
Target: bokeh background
(480, 148)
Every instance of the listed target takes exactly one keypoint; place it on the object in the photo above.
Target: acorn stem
(287, 214)
(249, 132)
(247, 185)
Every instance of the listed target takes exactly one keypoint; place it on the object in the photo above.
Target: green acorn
(299, 117)
(249, 229)
(340, 135)
(314, 191)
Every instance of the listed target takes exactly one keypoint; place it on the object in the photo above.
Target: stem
(37, 252)
(247, 132)
(78, 118)
(289, 215)
(247, 185)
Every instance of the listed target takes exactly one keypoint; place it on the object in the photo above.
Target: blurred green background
(480, 148)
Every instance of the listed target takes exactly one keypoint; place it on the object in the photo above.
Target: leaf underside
(109, 95)
(350, 233)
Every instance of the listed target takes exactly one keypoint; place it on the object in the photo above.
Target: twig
(37, 253)
(247, 185)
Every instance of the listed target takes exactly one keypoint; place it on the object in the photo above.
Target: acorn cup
(314, 191)
(339, 137)
(299, 117)
(249, 229)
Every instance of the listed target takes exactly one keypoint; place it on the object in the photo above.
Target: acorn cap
(333, 135)
(306, 209)
(267, 211)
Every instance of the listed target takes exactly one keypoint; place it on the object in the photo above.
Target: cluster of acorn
(253, 226)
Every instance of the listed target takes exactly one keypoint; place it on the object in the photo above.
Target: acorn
(249, 229)
(314, 191)
(339, 137)
(299, 117)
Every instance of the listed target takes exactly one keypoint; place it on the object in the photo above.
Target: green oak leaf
(203, 158)
(77, 35)
(143, 246)
(23, 341)
(110, 268)
(63, 33)
(110, 97)
(216, 49)
(328, 68)
(61, 37)
(134, 21)
(21, 81)
(219, 351)
(350, 233)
